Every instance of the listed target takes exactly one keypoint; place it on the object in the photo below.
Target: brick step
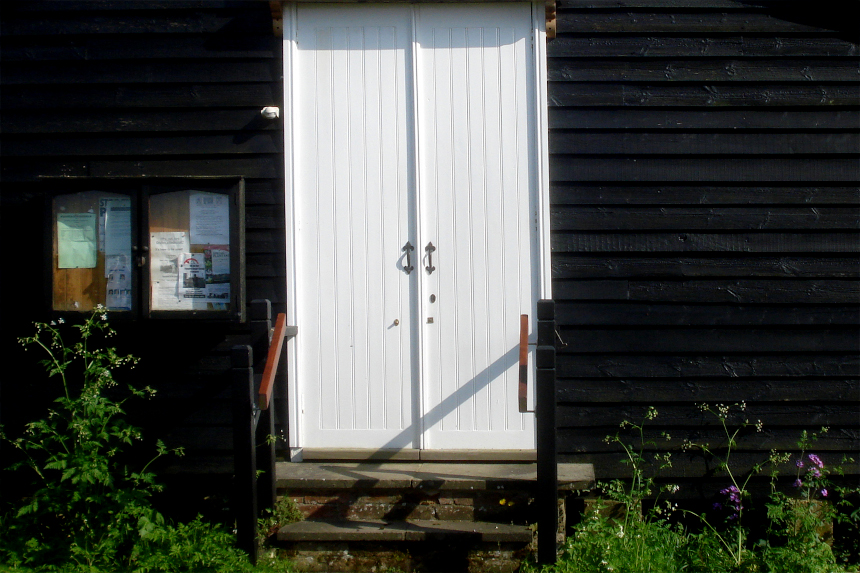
(424, 516)
(500, 493)
(418, 530)
(413, 547)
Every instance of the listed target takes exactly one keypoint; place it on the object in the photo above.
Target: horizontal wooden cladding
(724, 390)
(699, 143)
(704, 70)
(674, 314)
(63, 121)
(100, 72)
(238, 143)
(775, 414)
(254, 18)
(716, 340)
(714, 46)
(646, 21)
(731, 291)
(124, 5)
(265, 287)
(264, 265)
(599, 93)
(764, 218)
(706, 169)
(704, 366)
(139, 47)
(694, 466)
(684, 242)
(267, 166)
(627, 119)
(137, 96)
(569, 266)
(782, 438)
(264, 217)
(690, 195)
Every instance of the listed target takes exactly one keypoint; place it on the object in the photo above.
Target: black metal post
(261, 335)
(244, 454)
(547, 470)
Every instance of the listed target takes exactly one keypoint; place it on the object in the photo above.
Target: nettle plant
(87, 506)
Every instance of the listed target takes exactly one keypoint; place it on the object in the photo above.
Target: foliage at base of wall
(88, 510)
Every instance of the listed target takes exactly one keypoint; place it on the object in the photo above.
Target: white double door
(414, 215)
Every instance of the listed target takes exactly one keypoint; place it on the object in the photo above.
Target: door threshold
(411, 455)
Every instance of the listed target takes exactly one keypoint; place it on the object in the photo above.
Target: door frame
(540, 176)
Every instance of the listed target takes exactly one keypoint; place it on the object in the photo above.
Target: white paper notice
(210, 218)
(192, 279)
(117, 226)
(116, 217)
(118, 290)
(165, 249)
(76, 240)
(217, 258)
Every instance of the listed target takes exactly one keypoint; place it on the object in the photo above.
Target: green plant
(729, 548)
(88, 510)
(87, 506)
(801, 523)
(284, 512)
(619, 535)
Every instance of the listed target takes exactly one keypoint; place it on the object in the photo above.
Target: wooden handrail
(272, 361)
(523, 387)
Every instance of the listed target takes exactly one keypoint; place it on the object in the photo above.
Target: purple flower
(824, 492)
(798, 483)
(718, 506)
(730, 489)
(816, 460)
(799, 463)
(815, 472)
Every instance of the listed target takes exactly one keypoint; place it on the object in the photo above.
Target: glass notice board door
(170, 250)
(92, 251)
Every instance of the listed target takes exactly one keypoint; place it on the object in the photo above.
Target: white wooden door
(352, 201)
(412, 125)
(476, 167)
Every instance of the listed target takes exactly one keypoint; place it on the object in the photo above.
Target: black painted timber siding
(136, 90)
(704, 165)
(705, 159)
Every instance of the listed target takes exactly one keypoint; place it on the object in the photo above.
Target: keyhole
(432, 298)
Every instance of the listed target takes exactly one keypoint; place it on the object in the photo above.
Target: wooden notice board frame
(102, 236)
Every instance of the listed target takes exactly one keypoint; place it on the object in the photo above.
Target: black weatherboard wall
(704, 164)
(123, 93)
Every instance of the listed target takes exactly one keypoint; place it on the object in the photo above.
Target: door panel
(476, 170)
(352, 206)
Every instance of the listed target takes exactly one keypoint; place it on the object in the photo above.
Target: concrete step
(425, 475)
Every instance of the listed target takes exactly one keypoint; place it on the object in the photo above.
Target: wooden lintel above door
(277, 8)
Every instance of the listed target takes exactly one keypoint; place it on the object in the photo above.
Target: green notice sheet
(76, 240)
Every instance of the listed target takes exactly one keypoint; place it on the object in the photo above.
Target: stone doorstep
(425, 476)
(376, 531)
